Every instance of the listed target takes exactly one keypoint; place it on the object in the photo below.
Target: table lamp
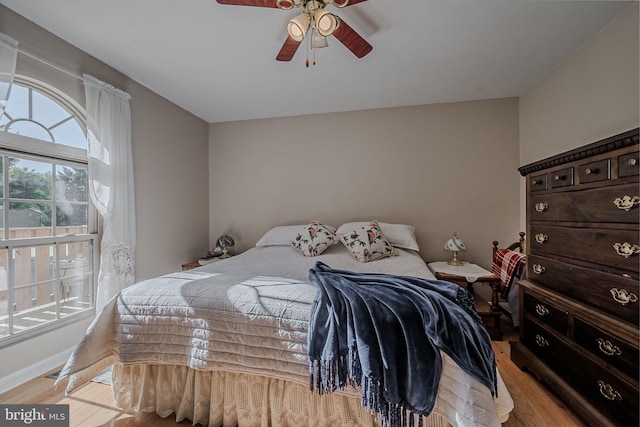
(455, 245)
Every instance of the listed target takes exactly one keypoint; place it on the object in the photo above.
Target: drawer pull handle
(633, 162)
(608, 348)
(541, 238)
(558, 177)
(608, 392)
(622, 296)
(541, 207)
(538, 269)
(626, 249)
(542, 310)
(589, 171)
(541, 341)
(626, 202)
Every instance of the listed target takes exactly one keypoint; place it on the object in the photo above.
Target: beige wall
(443, 168)
(170, 168)
(594, 94)
(591, 96)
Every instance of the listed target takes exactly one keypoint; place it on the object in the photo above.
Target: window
(47, 223)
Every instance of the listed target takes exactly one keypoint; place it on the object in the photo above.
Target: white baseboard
(42, 367)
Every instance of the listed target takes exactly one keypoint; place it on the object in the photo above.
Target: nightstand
(190, 265)
(466, 276)
(202, 261)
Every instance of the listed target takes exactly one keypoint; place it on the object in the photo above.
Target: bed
(244, 362)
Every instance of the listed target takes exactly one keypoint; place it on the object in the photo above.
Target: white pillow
(399, 235)
(283, 234)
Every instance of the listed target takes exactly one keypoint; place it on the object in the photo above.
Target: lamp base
(455, 261)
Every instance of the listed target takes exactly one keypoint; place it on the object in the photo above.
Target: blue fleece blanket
(384, 333)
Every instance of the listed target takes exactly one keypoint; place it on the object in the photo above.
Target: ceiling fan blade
(352, 40)
(352, 2)
(258, 3)
(288, 49)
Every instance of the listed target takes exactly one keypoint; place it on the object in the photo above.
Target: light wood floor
(92, 404)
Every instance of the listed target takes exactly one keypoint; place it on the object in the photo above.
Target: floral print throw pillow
(313, 239)
(367, 243)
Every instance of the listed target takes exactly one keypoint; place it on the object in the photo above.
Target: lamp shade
(318, 40)
(455, 244)
(297, 27)
(326, 22)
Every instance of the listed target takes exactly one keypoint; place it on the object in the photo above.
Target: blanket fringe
(327, 376)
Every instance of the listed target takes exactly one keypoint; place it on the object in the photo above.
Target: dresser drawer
(617, 353)
(628, 165)
(546, 313)
(594, 171)
(561, 178)
(616, 397)
(538, 183)
(611, 293)
(543, 344)
(616, 248)
(617, 203)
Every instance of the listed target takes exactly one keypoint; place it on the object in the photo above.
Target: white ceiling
(218, 61)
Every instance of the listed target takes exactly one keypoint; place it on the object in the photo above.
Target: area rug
(103, 377)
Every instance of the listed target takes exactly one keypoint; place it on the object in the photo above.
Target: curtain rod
(62, 70)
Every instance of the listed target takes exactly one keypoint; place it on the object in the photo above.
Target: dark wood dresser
(579, 299)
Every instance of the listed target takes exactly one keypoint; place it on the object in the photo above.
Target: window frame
(60, 155)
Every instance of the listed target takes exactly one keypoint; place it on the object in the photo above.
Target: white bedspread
(248, 314)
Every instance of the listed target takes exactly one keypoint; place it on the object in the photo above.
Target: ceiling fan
(314, 17)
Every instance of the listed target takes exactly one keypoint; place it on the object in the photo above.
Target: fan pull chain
(308, 41)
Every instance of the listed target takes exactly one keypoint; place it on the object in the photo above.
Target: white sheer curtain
(111, 184)
(8, 55)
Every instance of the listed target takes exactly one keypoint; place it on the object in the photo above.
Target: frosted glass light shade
(297, 27)
(318, 40)
(455, 245)
(326, 22)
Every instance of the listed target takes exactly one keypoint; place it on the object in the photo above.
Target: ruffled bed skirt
(232, 399)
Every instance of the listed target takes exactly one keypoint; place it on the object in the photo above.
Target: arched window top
(38, 112)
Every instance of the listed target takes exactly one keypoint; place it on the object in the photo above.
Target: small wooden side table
(201, 261)
(466, 276)
(190, 265)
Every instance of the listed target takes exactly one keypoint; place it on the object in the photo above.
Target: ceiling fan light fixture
(297, 27)
(325, 22)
